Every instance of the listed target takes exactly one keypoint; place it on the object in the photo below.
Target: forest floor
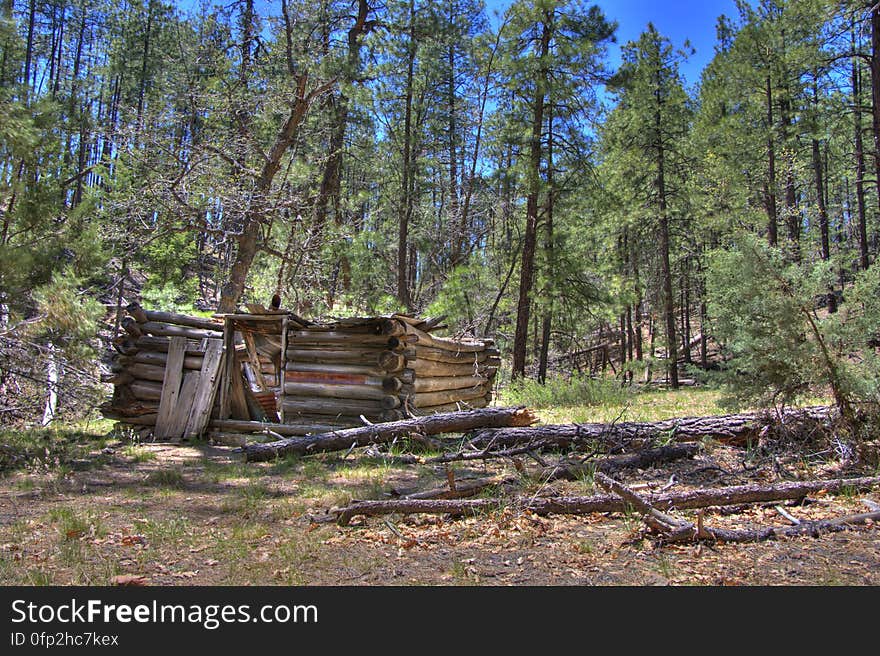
(86, 509)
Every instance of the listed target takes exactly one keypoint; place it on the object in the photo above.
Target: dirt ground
(162, 514)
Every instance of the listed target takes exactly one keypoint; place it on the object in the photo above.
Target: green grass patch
(652, 405)
(47, 449)
(560, 391)
(73, 524)
(159, 531)
(172, 478)
(137, 453)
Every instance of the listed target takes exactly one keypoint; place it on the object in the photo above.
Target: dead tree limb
(463, 488)
(811, 528)
(568, 470)
(671, 529)
(448, 422)
(606, 502)
(660, 522)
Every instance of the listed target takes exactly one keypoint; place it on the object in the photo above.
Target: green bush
(783, 346)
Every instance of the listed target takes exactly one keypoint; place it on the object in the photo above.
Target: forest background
(359, 158)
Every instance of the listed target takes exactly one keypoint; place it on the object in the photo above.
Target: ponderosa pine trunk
(856, 81)
(527, 264)
(770, 186)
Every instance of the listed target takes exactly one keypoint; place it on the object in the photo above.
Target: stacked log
(382, 369)
(447, 374)
(138, 368)
(312, 377)
(339, 372)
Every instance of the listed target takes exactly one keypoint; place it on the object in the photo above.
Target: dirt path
(177, 514)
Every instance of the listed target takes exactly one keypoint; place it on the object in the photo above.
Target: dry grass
(196, 514)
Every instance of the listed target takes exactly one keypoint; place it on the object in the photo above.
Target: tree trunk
(527, 265)
(731, 429)
(249, 239)
(823, 217)
(875, 90)
(666, 275)
(51, 386)
(546, 321)
(770, 187)
(859, 154)
(406, 201)
(381, 433)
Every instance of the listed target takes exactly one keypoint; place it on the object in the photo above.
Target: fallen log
(570, 471)
(672, 529)
(731, 429)
(655, 519)
(242, 426)
(813, 529)
(454, 422)
(607, 502)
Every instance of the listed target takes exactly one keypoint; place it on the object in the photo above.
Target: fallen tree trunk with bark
(607, 502)
(736, 429)
(452, 422)
(672, 529)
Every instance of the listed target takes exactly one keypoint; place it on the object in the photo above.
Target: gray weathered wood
(208, 383)
(444, 343)
(171, 330)
(335, 391)
(429, 399)
(326, 406)
(180, 415)
(170, 385)
(442, 383)
(159, 359)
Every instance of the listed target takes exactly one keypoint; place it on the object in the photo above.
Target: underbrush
(561, 391)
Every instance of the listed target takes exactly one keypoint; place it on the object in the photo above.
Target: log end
(523, 417)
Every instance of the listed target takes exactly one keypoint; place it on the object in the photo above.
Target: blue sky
(675, 19)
